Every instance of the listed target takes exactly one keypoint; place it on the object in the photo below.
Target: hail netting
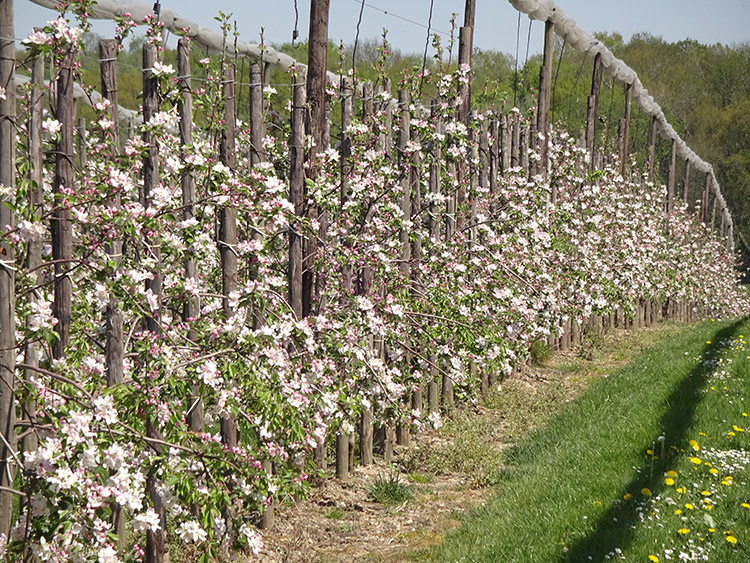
(584, 42)
(212, 40)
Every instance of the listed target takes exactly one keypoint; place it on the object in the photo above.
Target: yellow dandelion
(745, 505)
(701, 433)
(646, 492)
(708, 342)
(732, 540)
(681, 490)
(671, 473)
(683, 531)
(711, 530)
(678, 511)
(695, 460)
(730, 434)
(653, 558)
(695, 445)
(689, 506)
(705, 493)
(713, 471)
(669, 481)
(744, 414)
(627, 496)
(649, 452)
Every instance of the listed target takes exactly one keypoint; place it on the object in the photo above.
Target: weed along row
(200, 313)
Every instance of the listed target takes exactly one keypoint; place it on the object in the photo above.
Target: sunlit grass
(649, 464)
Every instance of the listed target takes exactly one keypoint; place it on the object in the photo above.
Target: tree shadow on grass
(680, 407)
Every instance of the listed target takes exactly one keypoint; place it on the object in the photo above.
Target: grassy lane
(651, 463)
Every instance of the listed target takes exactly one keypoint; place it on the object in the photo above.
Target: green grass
(389, 489)
(594, 484)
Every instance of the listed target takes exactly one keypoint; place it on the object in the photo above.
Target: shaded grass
(584, 487)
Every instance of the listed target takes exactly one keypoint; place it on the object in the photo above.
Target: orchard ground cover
(649, 464)
(452, 471)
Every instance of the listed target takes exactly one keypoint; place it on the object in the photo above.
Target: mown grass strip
(616, 474)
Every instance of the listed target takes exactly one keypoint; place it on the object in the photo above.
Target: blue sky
(718, 21)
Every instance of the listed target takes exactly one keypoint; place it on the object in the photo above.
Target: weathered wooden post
(624, 130)
(686, 181)
(32, 351)
(7, 266)
(592, 108)
(705, 197)
(317, 56)
(157, 550)
(257, 126)
(228, 227)
(62, 232)
(81, 137)
(671, 177)
(651, 148)
(506, 131)
(543, 106)
(114, 337)
(404, 166)
(190, 306)
(296, 187)
(113, 349)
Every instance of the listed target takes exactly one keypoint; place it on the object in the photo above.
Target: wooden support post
(625, 130)
(575, 332)
(113, 349)
(506, 130)
(671, 177)
(366, 435)
(484, 158)
(523, 148)
(114, 338)
(62, 232)
(81, 136)
(190, 307)
(704, 198)
(465, 47)
(686, 182)
(296, 191)
(404, 166)
(515, 151)
(257, 125)
(342, 455)
(228, 213)
(32, 350)
(592, 108)
(543, 106)
(450, 204)
(317, 55)
(156, 546)
(651, 149)
(228, 228)
(8, 351)
(404, 169)
(494, 164)
(433, 399)
(435, 218)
